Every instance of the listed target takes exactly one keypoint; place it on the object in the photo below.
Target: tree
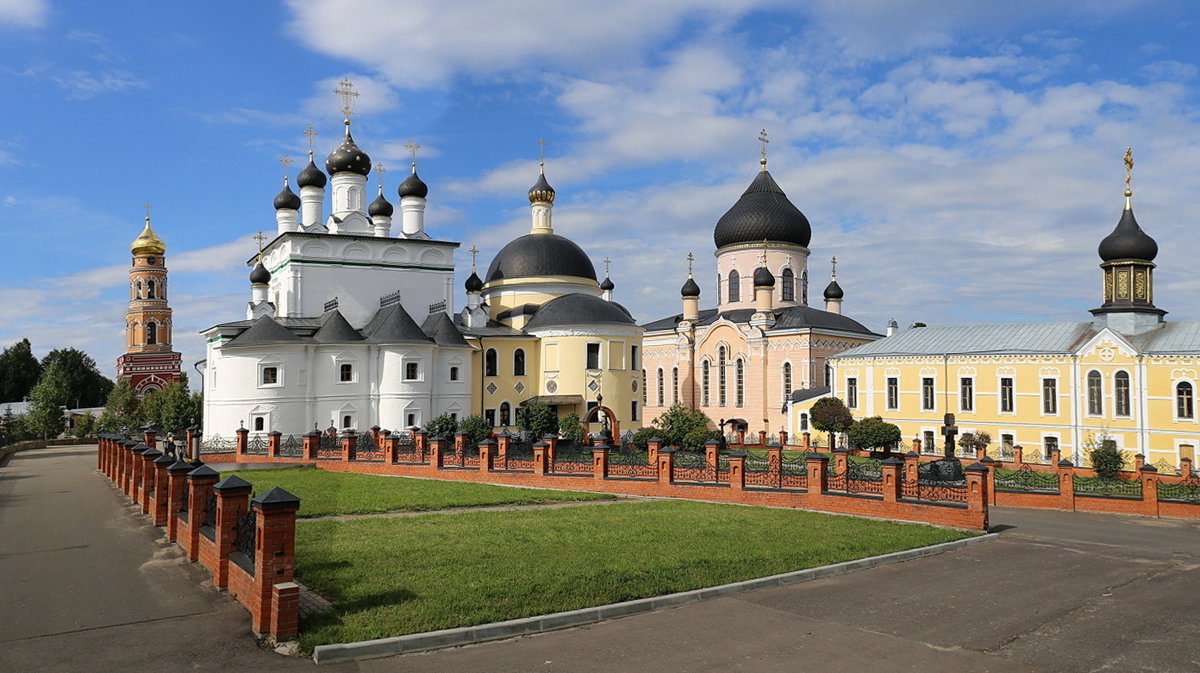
(121, 408)
(476, 427)
(47, 400)
(19, 371)
(442, 426)
(1105, 457)
(829, 414)
(537, 419)
(85, 426)
(974, 443)
(874, 432)
(173, 408)
(570, 429)
(684, 427)
(87, 386)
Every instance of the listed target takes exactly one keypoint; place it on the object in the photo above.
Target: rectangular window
(1049, 396)
(633, 410)
(454, 373)
(1006, 446)
(346, 373)
(1051, 444)
(1006, 395)
(489, 415)
(893, 393)
(852, 393)
(412, 420)
(412, 371)
(966, 393)
(928, 442)
(270, 375)
(634, 361)
(593, 356)
(927, 399)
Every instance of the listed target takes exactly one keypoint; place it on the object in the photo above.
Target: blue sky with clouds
(962, 160)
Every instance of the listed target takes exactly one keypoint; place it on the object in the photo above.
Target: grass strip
(325, 493)
(390, 577)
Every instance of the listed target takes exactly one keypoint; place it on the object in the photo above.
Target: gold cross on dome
(834, 263)
(346, 91)
(607, 261)
(260, 238)
(762, 138)
(379, 168)
(690, 259)
(312, 134)
(474, 251)
(147, 206)
(541, 151)
(412, 148)
(286, 161)
(1128, 170)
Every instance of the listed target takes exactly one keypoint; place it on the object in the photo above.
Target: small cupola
(380, 206)
(286, 199)
(311, 176)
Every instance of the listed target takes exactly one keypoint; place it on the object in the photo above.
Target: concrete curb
(469, 635)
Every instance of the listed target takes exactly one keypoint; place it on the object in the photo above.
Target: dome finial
(690, 258)
(148, 243)
(762, 138)
(690, 289)
(474, 251)
(1128, 175)
(346, 91)
(311, 133)
(833, 264)
(380, 170)
(286, 162)
(541, 156)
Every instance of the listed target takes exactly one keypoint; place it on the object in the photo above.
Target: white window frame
(262, 367)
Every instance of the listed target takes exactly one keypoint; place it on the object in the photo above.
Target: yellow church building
(1127, 375)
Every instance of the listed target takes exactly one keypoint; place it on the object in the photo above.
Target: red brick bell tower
(148, 362)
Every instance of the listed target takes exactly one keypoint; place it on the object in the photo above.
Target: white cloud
(83, 84)
(24, 13)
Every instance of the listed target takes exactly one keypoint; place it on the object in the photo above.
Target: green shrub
(442, 426)
(1106, 459)
(641, 437)
(477, 429)
(570, 429)
(537, 419)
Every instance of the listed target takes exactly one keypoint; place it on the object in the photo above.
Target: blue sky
(962, 160)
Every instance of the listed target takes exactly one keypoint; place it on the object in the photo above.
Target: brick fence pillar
(541, 458)
(1139, 460)
(1018, 456)
(783, 437)
(149, 478)
(149, 434)
(1148, 474)
(420, 440)
(312, 440)
(460, 442)
(135, 468)
(275, 562)
(806, 441)
(912, 466)
(666, 466)
(991, 465)
(233, 497)
(762, 437)
(347, 445)
(977, 497)
(916, 446)
(775, 463)
(737, 470)
(487, 452)
(600, 462)
(193, 442)
(274, 443)
(890, 472)
(241, 442)
(817, 467)
(387, 444)
(653, 445)
(176, 484)
(200, 483)
(119, 473)
(503, 442)
(741, 437)
(551, 449)
(1066, 485)
(1055, 457)
(1185, 467)
(375, 434)
(437, 449)
(841, 460)
(162, 490)
(712, 454)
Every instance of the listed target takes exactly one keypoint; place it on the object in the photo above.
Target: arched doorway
(613, 424)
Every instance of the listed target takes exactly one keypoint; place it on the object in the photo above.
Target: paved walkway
(87, 584)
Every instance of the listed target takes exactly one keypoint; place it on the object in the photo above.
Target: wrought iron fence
(210, 510)
(406, 447)
(470, 456)
(938, 481)
(862, 475)
(631, 464)
(216, 444)
(794, 470)
(329, 447)
(246, 532)
(1026, 480)
(1108, 488)
(291, 447)
(761, 470)
(366, 449)
(1186, 490)
(520, 455)
(572, 459)
(731, 438)
(256, 445)
(693, 466)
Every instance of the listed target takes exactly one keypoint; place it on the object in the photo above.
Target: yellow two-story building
(1127, 375)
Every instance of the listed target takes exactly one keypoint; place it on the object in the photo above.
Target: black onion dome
(380, 206)
(763, 213)
(311, 176)
(413, 186)
(474, 284)
(763, 277)
(690, 288)
(1128, 241)
(541, 191)
(578, 309)
(348, 158)
(607, 284)
(260, 275)
(541, 255)
(286, 198)
(833, 290)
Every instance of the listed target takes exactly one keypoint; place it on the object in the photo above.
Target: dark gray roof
(834, 291)
(492, 329)
(336, 329)
(540, 255)
(523, 309)
(413, 186)
(579, 309)
(439, 327)
(265, 331)
(260, 275)
(1128, 241)
(286, 198)
(311, 176)
(763, 213)
(808, 393)
(690, 288)
(392, 324)
(790, 318)
(1180, 336)
(1033, 337)
(380, 206)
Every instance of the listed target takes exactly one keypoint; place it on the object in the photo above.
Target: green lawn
(395, 576)
(324, 493)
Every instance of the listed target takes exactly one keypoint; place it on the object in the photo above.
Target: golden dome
(148, 243)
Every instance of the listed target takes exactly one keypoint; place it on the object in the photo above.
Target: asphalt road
(87, 584)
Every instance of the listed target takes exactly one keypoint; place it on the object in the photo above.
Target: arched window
(787, 380)
(721, 376)
(346, 422)
(1183, 400)
(804, 287)
(505, 414)
(1095, 392)
(740, 368)
(704, 385)
(259, 423)
(519, 362)
(789, 285)
(660, 387)
(675, 385)
(489, 362)
(149, 289)
(137, 289)
(1121, 390)
(735, 292)
(151, 333)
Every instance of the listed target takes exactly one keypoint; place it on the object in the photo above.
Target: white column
(412, 216)
(312, 202)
